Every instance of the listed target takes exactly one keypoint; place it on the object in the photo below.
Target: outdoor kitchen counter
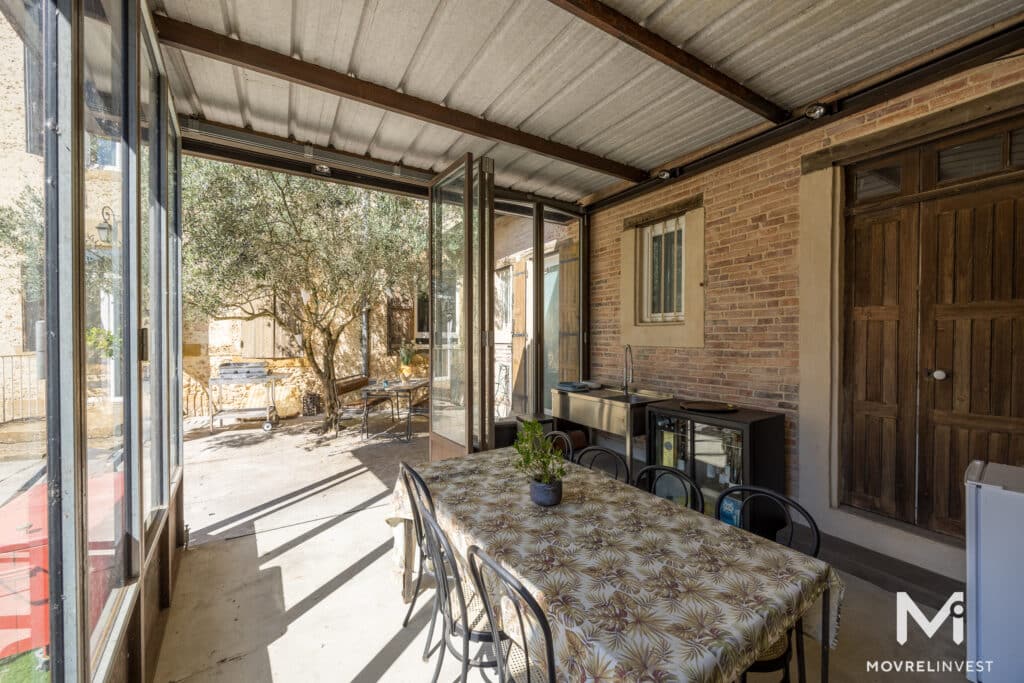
(634, 586)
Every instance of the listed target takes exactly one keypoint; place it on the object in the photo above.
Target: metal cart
(244, 373)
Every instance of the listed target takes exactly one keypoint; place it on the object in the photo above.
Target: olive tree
(307, 253)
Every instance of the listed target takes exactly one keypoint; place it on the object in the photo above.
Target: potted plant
(406, 353)
(539, 459)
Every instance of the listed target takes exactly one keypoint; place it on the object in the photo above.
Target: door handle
(937, 375)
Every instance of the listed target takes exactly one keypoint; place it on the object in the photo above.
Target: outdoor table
(635, 587)
(393, 392)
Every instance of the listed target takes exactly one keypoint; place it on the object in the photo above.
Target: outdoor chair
(604, 460)
(777, 656)
(647, 479)
(462, 612)
(419, 496)
(562, 442)
(526, 634)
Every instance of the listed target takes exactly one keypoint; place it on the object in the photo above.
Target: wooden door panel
(972, 327)
(878, 423)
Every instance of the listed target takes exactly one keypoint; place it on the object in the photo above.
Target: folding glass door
(461, 309)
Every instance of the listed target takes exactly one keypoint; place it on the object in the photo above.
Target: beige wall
(767, 324)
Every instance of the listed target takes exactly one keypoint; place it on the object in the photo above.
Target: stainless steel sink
(608, 410)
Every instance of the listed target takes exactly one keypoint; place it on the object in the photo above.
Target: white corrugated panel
(529, 65)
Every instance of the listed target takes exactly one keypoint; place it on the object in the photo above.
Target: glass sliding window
(513, 310)
(151, 289)
(103, 198)
(24, 563)
(561, 299)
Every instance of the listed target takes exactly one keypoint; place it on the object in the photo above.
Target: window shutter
(401, 317)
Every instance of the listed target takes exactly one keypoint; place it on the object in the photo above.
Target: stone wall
(751, 353)
(208, 343)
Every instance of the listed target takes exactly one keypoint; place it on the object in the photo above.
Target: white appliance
(995, 558)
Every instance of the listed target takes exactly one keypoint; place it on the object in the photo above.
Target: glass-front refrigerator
(717, 464)
(741, 446)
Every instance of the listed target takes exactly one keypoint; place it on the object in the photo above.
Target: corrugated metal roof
(529, 65)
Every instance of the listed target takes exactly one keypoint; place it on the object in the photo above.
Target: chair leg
(415, 592)
(465, 657)
(430, 631)
(801, 664)
(440, 658)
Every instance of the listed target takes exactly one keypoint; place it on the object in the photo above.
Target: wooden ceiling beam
(651, 44)
(223, 48)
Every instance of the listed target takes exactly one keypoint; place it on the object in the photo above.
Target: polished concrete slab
(289, 575)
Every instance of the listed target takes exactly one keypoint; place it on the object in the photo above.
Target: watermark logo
(954, 607)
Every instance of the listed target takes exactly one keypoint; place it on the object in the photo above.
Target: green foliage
(22, 230)
(406, 353)
(537, 456)
(309, 253)
(102, 344)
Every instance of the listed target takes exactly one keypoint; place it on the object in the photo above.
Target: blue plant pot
(546, 495)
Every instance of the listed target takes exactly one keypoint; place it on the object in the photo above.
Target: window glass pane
(104, 313)
(513, 311)
(450, 334)
(971, 158)
(877, 182)
(680, 271)
(656, 274)
(173, 298)
(24, 605)
(561, 303)
(149, 265)
(668, 280)
(1017, 148)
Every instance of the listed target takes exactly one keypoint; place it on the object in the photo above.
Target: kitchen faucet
(627, 368)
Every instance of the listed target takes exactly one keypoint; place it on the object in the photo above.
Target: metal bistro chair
(562, 442)
(647, 479)
(520, 663)
(777, 656)
(419, 496)
(604, 460)
(462, 610)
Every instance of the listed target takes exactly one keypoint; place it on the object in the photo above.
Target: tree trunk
(330, 385)
(325, 372)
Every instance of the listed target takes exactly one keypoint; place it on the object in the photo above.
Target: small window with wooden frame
(662, 276)
(662, 270)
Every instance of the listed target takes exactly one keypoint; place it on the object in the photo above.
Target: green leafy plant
(406, 353)
(537, 456)
(102, 344)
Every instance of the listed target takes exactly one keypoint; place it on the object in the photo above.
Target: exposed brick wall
(751, 353)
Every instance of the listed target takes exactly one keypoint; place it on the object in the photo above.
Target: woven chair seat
(776, 650)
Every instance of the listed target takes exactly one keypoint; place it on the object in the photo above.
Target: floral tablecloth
(635, 587)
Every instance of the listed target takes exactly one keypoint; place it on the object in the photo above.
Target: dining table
(394, 392)
(635, 587)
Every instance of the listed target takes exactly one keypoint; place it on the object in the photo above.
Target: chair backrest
(419, 496)
(785, 504)
(648, 478)
(451, 598)
(494, 584)
(561, 441)
(604, 460)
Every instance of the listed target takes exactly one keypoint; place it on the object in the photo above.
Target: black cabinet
(719, 450)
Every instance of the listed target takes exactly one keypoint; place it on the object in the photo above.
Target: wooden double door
(933, 358)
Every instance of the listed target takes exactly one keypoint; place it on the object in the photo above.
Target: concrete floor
(289, 575)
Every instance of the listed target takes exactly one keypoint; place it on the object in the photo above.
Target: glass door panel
(561, 299)
(461, 305)
(718, 463)
(449, 311)
(513, 366)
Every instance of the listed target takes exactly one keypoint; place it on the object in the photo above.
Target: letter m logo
(905, 606)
